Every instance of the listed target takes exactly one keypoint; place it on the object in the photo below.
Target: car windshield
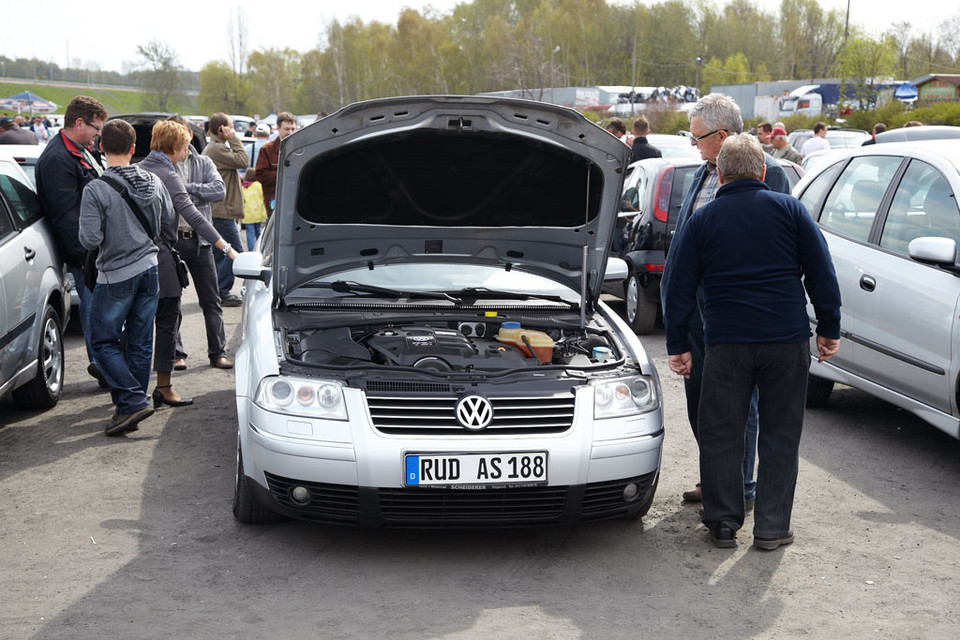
(443, 277)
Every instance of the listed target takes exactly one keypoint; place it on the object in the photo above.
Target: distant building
(938, 87)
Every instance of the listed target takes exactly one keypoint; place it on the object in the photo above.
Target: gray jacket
(107, 222)
(203, 183)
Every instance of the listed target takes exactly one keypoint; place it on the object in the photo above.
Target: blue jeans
(253, 234)
(230, 231)
(731, 375)
(84, 311)
(691, 389)
(130, 305)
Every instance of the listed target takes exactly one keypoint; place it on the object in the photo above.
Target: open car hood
(511, 183)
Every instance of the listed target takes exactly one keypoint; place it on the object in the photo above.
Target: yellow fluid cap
(490, 314)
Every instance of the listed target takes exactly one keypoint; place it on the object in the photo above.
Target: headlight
(302, 397)
(624, 397)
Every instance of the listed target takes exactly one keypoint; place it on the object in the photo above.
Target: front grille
(399, 386)
(437, 416)
(328, 502)
(465, 508)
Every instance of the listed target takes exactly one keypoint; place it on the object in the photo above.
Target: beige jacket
(230, 158)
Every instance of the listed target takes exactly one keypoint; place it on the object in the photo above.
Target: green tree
(161, 75)
(273, 75)
(866, 62)
(222, 90)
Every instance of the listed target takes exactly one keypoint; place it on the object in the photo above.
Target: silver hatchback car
(424, 343)
(34, 296)
(889, 213)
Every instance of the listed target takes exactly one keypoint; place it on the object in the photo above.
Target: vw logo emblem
(474, 412)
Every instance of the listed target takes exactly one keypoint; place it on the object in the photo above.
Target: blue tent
(905, 92)
(26, 101)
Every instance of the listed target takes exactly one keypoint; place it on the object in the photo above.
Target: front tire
(246, 509)
(43, 392)
(641, 310)
(818, 390)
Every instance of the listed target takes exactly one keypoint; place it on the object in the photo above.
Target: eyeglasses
(93, 125)
(697, 139)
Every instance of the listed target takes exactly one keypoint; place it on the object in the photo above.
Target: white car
(889, 213)
(34, 299)
(423, 339)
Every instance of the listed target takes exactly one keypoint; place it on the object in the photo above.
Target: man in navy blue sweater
(753, 251)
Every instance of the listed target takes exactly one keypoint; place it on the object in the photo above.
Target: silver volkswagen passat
(424, 343)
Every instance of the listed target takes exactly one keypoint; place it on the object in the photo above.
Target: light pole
(552, 53)
(696, 83)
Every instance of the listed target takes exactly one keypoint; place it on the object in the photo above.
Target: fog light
(630, 491)
(300, 495)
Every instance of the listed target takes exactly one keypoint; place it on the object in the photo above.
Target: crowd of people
(134, 235)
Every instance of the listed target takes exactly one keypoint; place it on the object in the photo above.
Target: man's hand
(681, 363)
(227, 131)
(827, 347)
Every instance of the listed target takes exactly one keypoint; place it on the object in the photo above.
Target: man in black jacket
(641, 148)
(67, 164)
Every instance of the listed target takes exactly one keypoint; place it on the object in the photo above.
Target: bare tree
(237, 40)
(161, 74)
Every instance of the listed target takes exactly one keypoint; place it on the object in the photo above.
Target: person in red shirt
(269, 158)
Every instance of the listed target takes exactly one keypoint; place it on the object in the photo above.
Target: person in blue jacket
(713, 118)
(747, 260)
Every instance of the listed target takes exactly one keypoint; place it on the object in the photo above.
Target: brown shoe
(693, 495)
(221, 363)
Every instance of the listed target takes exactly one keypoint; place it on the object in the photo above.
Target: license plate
(450, 470)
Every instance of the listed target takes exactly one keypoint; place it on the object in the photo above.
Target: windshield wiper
(345, 286)
(484, 292)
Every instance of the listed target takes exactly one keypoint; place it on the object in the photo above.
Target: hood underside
(511, 183)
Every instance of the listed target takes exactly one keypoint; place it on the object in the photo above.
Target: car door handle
(867, 283)
(29, 253)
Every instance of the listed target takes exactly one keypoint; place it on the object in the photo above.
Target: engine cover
(443, 350)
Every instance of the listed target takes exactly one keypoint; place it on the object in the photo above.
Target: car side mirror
(249, 265)
(616, 270)
(933, 250)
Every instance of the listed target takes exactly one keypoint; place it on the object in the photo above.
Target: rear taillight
(661, 200)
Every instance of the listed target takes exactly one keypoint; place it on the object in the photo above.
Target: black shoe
(723, 538)
(159, 399)
(221, 362)
(123, 422)
(230, 300)
(769, 544)
(94, 371)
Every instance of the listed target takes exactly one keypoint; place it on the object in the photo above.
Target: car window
(682, 179)
(814, 193)
(21, 198)
(922, 206)
(853, 202)
(6, 224)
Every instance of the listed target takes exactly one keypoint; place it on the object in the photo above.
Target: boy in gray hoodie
(127, 289)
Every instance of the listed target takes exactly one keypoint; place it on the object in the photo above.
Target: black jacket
(62, 172)
(643, 149)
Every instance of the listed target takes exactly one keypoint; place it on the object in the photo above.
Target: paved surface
(133, 538)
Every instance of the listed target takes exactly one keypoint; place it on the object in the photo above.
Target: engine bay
(451, 346)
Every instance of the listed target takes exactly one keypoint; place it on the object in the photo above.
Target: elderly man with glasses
(713, 119)
(68, 162)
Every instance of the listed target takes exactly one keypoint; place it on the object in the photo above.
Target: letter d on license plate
(475, 468)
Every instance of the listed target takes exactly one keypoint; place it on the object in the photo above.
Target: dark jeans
(86, 297)
(203, 272)
(730, 373)
(168, 323)
(253, 233)
(128, 306)
(691, 389)
(230, 230)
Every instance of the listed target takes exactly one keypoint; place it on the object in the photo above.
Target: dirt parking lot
(133, 537)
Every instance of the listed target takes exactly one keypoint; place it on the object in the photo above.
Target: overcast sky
(107, 32)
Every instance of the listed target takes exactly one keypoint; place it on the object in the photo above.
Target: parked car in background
(241, 123)
(677, 146)
(904, 134)
(26, 155)
(838, 137)
(143, 126)
(429, 348)
(652, 195)
(889, 213)
(34, 301)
